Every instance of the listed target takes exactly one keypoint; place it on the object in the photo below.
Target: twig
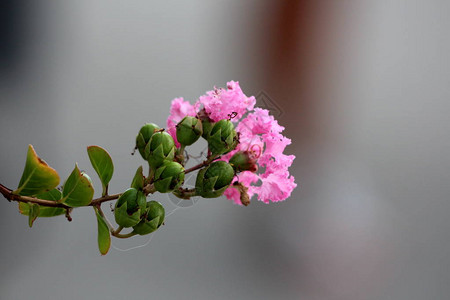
(7, 193)
(201, 165)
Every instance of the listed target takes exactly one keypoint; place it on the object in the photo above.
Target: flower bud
(129, 208)
(144, 137)
(207, 123)
(153, 219)
(207, 126)
(222, 138)
(161, 147)
(168, 177)
(189, 130)
(243, 161)
(213, 180)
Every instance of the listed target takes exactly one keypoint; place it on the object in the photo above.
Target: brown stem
(201, 165)
(7, 193)
(100, 200)
(184, 194)
(123, 236)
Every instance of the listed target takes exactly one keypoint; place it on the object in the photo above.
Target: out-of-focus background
(362, 87)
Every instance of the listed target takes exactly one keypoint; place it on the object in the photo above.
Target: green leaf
(104, 236)
(78, 190)
(138, 180)
(37, 177)
(34, 212)
(44, 211)
(102, 163)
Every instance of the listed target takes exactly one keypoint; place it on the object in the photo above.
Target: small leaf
(37, 177)
(102, 163)
(78, 190)
(45, 211)
(138, 180)
(104, 236)
(34, 212)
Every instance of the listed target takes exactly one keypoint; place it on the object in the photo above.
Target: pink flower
(221, 103)
(260, 133)
(259, 137)
(178, 110)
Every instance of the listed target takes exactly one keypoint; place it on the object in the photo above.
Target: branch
(7, 193)
(203, 164)
(184, 194)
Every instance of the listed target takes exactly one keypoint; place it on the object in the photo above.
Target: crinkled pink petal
(221, 103)
(274, 164)
(275, 142)
(275, 187)
(259, 122)
(273, 158)
(233, 194)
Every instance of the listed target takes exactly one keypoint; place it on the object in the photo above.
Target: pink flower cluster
(259, 134)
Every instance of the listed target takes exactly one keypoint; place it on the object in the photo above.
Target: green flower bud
(153, 220)
(222, 138)
(243, 161)
(168, 177)
(160, 148)
(207, 123)
(189, 130)
(144, 137)
(129, 208)
(213, 180)
(207, 126)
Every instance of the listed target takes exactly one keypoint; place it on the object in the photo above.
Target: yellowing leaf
(37, 177)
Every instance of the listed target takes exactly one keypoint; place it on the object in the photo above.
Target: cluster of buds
(167, 168)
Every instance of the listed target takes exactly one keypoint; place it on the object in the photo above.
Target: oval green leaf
(78, 190)
(38, 177)
(102, 163)
(45, 211)
(104, 236)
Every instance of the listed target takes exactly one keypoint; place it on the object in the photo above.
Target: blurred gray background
(363, 91)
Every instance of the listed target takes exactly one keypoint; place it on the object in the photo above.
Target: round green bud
(153, 220)
(222, 138)
(189, 130)
(129, 208)
(223, 171)
(161, 147)
(169, 176)
(243, 161)
(144, 137)
(214, 180)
